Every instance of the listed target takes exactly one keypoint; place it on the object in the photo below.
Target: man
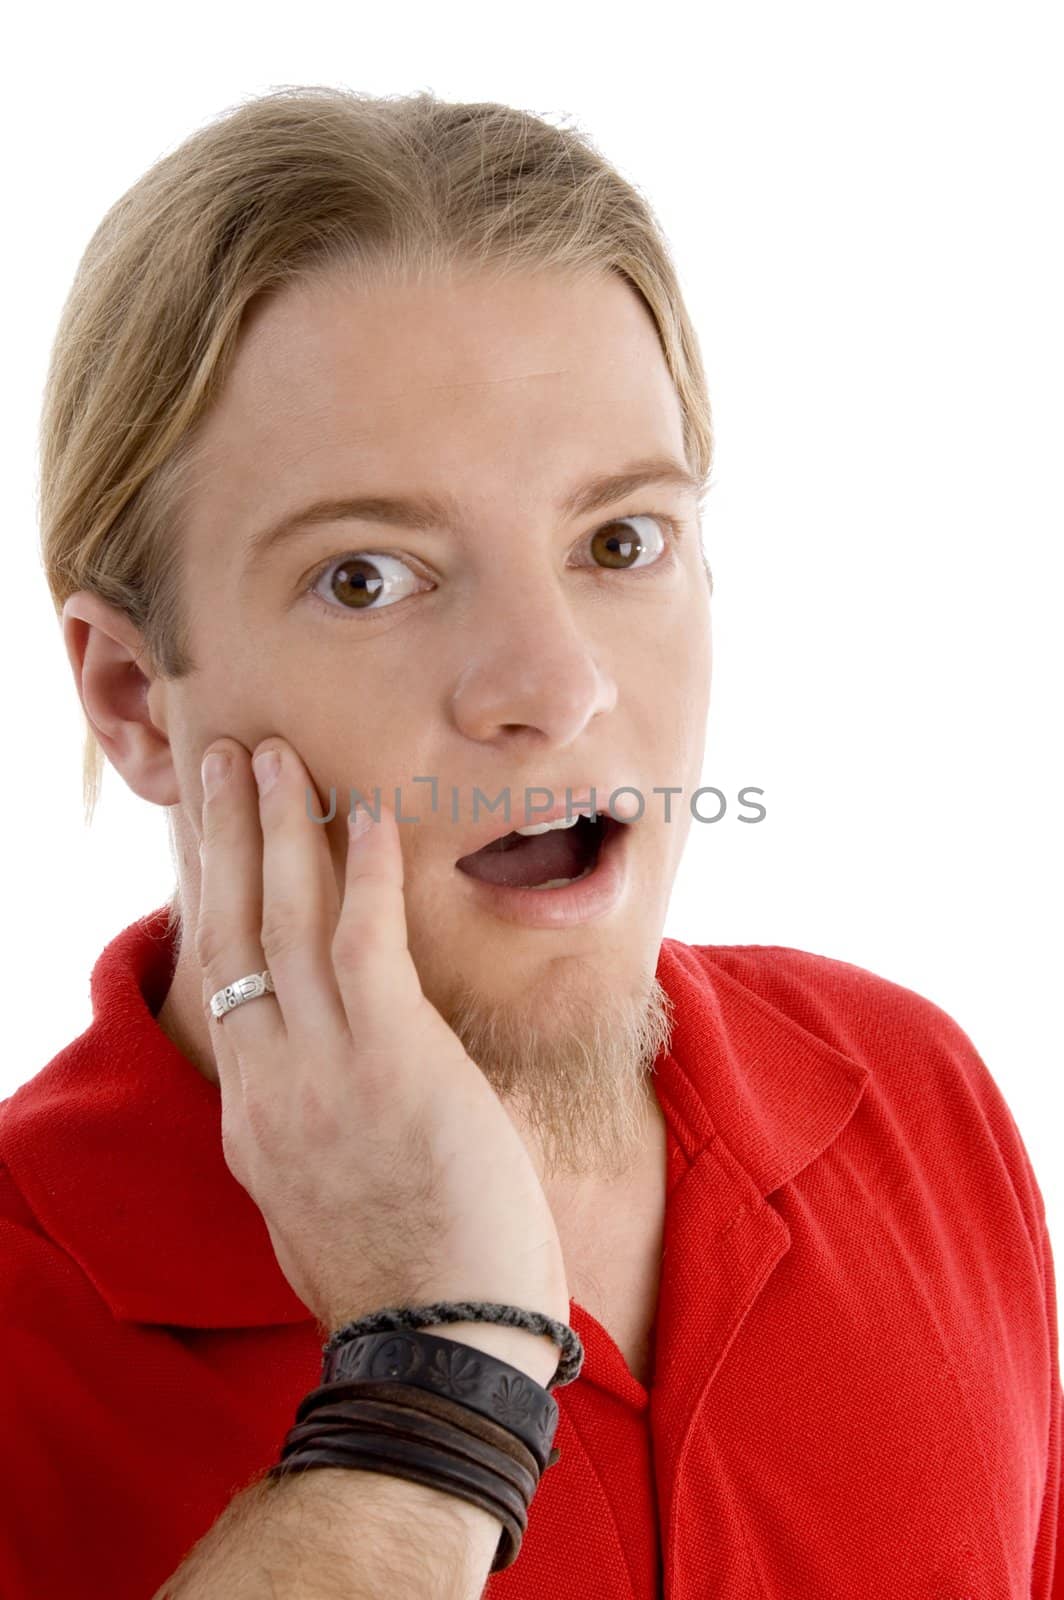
(802, 1241)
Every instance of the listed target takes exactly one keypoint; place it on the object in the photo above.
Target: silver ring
(235, 994)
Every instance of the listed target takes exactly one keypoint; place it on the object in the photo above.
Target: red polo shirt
(856, 1392)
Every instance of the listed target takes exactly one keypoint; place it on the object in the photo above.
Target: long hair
(270, 192)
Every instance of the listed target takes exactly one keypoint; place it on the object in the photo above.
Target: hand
(385, 1166)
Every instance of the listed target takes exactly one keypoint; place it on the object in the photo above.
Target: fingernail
(358, 820)
(214, 771)
(267, 765)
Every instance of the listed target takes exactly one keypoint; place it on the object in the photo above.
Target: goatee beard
(572, 1064)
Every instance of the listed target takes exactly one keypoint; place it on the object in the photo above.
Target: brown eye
(360, 582)
(356, 583)
(618, 545)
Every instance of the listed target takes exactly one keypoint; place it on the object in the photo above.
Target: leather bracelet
(459, 1372)
(430, 1467)
(407, 1445)
(430, 1416)
(407, 1423)
(436, 1411)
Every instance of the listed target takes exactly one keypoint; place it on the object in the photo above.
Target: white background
(865, 206)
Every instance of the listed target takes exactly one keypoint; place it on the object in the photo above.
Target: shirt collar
(750, 1060)
(116, 1143)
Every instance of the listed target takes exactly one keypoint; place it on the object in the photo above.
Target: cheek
(683, 672)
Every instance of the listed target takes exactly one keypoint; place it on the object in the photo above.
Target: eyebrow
(432, 511)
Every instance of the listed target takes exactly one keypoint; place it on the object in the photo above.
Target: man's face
(501, 653)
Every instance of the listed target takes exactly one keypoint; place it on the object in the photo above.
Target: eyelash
(672, 529)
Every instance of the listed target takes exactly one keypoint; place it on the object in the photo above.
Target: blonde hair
(285, 185)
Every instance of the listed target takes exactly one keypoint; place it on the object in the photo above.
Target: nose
(532, 670)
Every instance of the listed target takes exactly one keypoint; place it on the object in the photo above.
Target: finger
(300, 904)
(375, 972)
(228, 929)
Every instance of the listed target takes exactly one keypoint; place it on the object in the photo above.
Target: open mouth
(549, 860)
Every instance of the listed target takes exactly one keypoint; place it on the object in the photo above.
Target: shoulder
(892, 1029)
(836, 1000)
(925, 1072)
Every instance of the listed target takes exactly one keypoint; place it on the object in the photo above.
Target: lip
(588, 900)
(594, 796)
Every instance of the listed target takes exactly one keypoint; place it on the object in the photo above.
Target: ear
(105, 651)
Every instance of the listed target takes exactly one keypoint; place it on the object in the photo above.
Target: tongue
(518, 861)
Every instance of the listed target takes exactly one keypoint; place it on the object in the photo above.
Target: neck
(184, 1019)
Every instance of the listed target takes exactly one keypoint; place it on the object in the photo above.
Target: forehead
(525, 379)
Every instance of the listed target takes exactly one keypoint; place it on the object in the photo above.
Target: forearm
(339, 1533)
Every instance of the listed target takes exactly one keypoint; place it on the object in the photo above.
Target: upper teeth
(559, 822)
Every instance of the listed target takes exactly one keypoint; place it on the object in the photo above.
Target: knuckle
(260, 1129)
(323, 1121)
(354, 944)
(209, 945)
(285, 929)
(234, 1144)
